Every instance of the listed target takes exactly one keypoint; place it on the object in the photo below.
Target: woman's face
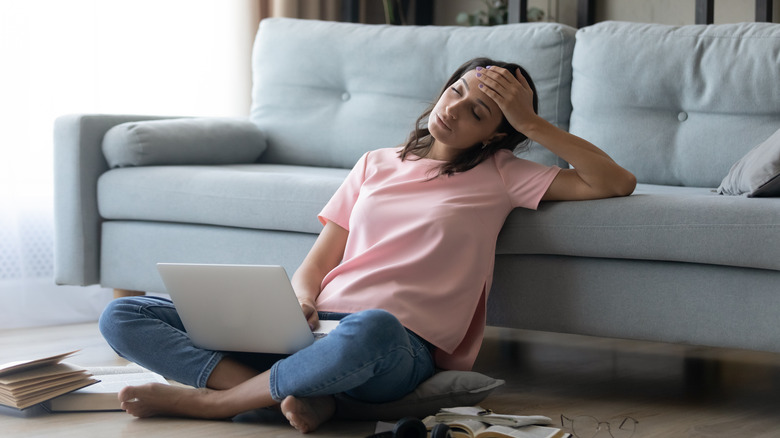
(463, 117)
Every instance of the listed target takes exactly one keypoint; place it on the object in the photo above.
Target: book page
(477, 413)
(113, 383)
(42, 386)
(126, 369)
(466, 428)
(522, 432)
(24, 377)
(38, 397)
(12, 367)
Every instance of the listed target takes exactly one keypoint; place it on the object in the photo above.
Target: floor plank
(672, 390)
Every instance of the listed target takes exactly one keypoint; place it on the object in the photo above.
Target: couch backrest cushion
(326, 92)
(676, 105)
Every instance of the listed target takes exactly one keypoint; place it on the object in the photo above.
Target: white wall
(156, 57)
(675, 12)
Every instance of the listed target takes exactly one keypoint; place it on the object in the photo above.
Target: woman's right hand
(325, 255)
(310, 312)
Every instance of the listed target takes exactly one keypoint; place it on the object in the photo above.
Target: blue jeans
(370, 356)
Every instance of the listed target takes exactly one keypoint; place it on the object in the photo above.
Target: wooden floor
(673, 391)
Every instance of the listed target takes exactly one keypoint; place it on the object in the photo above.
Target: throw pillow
(757, 173)
(445, 389)
(183, 141)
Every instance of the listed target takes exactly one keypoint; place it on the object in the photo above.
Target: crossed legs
(370, 356)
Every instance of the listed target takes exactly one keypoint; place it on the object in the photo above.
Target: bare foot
(155, 399)
(307, 414)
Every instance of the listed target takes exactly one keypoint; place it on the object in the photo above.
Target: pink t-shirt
(424, 249)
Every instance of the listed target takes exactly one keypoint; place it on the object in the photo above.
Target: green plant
(394, 12)
(535, 14)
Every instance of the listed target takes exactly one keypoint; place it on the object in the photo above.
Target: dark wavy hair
(420, 140)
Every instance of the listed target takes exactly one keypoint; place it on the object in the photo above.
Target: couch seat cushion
(665, 223)
(263, 196)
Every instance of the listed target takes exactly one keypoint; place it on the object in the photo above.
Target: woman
(404, 260)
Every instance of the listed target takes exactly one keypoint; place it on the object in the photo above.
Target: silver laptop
(248, 308)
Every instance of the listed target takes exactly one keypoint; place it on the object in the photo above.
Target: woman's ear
(496, 136)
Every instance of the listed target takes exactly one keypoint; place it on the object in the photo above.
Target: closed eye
(473, 111)
(479, 101)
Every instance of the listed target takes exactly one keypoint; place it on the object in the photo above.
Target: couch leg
(121, 293)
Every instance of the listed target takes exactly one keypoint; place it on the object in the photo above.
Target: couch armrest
(78, 163)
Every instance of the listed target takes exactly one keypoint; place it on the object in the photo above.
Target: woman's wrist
(534, 126)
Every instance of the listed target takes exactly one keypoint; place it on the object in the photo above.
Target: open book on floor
(29, 382)
(475, 422)
(476, 429)
(103, 396)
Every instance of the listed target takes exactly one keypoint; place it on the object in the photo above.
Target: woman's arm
(326, 254)
(595, 174)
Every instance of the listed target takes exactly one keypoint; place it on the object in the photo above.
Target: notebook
(247, 308)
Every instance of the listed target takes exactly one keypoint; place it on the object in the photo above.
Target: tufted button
(345, 97)
(683, 116)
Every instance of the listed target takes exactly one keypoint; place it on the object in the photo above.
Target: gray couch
(675, 262)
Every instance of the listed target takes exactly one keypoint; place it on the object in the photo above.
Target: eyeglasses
(586, 426)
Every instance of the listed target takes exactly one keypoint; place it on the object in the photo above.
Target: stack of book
(28, 383)
(54, 386)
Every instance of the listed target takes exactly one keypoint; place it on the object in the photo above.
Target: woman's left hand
(310, 312)
(511, 93)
